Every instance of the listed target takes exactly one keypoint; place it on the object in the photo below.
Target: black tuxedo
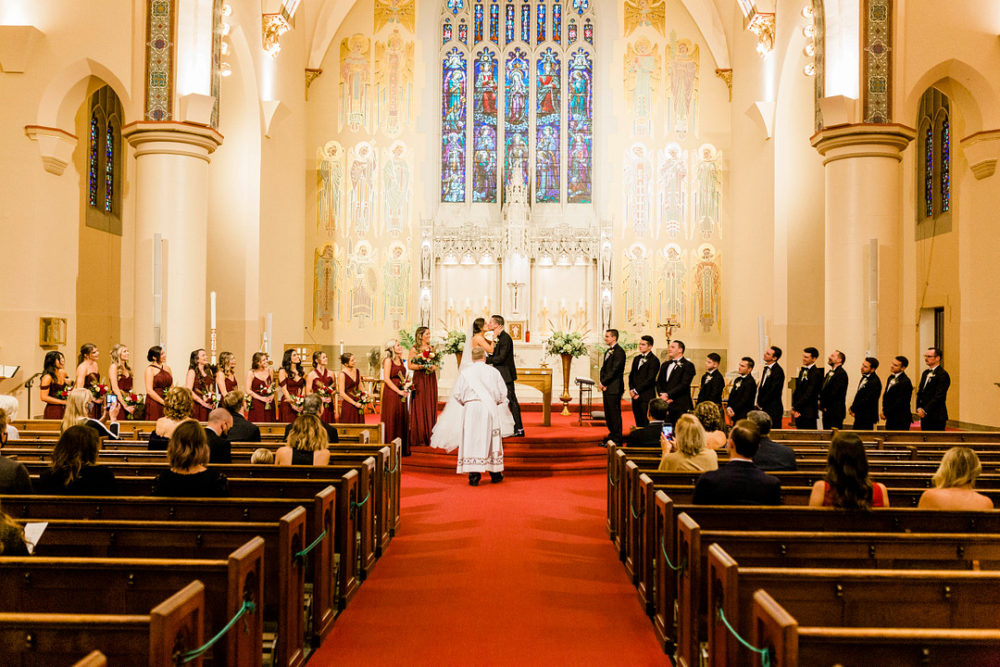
(242, 430)
(741, 396)
(774, 456)
(805, 398)
(642, 380)
(712, 384)
(865, 404)
(503, 360)
(896, 403)
(737, 483)
(613, 381)
(772, 384)
(646, 436)
(833, 398)
(219, 450)
(931, 396)
(677, 387)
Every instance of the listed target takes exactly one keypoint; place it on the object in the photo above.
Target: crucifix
(668, 327)
(516, 287)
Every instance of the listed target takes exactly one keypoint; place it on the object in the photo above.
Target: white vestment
(480, 396)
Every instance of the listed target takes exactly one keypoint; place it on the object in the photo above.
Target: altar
(540, 379)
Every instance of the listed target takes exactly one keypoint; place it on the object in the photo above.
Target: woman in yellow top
(687, 450)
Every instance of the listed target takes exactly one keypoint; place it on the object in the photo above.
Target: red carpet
(517, 573)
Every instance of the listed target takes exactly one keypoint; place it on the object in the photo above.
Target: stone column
(863, 202)
(171, 185)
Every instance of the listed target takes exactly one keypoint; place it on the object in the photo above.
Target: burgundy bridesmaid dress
(294, 387)
(54, 411)
(162, 381)
(260, 412)
(394, 410)
(348, 413)
(423, 407)
(203, 384)
(92, 380)
(325, 380)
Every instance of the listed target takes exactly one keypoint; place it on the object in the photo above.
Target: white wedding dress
(449, 429)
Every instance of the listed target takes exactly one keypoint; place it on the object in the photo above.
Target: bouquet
(405, 383)
(363, 399)
(64, 394)
(428, 358)
(454, 342)
(134, 401)
(212, 398)
(561, 342)
(326, 391)
(297, 401)
(266, 391)
(99, 391)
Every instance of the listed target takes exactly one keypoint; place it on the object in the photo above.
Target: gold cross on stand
(668, 327)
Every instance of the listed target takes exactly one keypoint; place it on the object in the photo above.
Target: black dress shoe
(474, 478)
(496, 477)
(519, 433)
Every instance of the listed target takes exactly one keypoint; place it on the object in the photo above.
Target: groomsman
(673, 382)
(933, 393)
(712, 382)
(613, 385)
(864, 408)
(742, 393)
(896, 400)
(805, 398)
(833, 394)
(772, 384)
(642, 381)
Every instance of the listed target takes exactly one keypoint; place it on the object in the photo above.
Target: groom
(503, 359)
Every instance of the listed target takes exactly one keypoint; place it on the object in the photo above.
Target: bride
(447, 433)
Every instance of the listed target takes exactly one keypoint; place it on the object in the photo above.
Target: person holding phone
(684, 447)
(649, 435)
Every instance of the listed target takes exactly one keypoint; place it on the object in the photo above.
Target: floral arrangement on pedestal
(453, 343)
(562, 342)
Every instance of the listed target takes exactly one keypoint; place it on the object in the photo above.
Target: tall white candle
(341, 347)
(270, 332)
(545, 302)
(212, 295)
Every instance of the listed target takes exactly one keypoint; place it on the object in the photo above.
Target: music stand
(586, 386)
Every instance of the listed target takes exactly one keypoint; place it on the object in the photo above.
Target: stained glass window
(495, 23)
(109, 167)
(453, 103)
(516, 81)
(945, 165)
(484, 138)
(580, 6)
(540, 23)
(526, 24)
(579, 128)
(455, 5)
(571, 32)
(547, 112)
(928, 172)
(556, 23)
(463, 33)
(94, 155)
(479, 23)
(446, 33)
(588, 32)
(509, 24)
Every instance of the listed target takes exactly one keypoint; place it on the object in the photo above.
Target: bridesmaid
(158, 379)
(258, 379)
(424, 402)
(52, 384)
(349, 389)
(121, 378)
(292, 382)
(318, 377)
(225, 379)
(89, 375)
(394, 396)
(201, 382)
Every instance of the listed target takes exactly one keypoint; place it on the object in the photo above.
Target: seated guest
(687, 450)
(177, 404)
(242, 430)
(847, 484)
(11, 537)
(262, 455)
(710, 416)
(313, 405)
(649, 435)
(770, 455)
(307, 442)
(187, 454)
(74, 468)
(10, 405)
(219, 423)
(955, 482)
(80, 405)
(739, 482)
(14, 477)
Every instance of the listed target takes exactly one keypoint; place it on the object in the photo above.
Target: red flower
(426, 354)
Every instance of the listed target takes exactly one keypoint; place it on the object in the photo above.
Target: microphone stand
(27, 385)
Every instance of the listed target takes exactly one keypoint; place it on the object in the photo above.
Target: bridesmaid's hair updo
(418, 336)
(256, 359)
(345, 358)
(85, 350)
(477, 325)
(316, 356)
(155, 354)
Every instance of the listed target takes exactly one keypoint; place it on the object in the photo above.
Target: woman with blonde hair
(394, 395)
(687, 450)
(225, 377)
(710, 416)
(88, 374)
(307, 443)
(955, 482)
(177, 404)
(121, 377)
(12, 541)
(262, 456)
(79, 407)
(188, 476)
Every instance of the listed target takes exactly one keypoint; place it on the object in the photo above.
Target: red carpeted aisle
(516, 573)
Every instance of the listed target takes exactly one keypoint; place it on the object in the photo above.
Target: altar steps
(528, 458)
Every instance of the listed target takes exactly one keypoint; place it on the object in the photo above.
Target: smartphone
(668, 431)
(111, 399)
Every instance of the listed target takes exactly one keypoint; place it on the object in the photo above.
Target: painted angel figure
(638, 188)
(396, 188)
(325, 273)
(394, 83)
(708, 293)
(354, 82)
(708, 194)
(682, 93)
(331, 187)
(364, 284)
(396, 286)
(637, 286)
(642, 71)
(362, 175)
(671, 284)
(672, 180)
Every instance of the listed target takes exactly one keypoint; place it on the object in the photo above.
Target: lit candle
(269, 332)
(486, 302)
(212, 295)
(451, 303)
(545, 302)
(468, 302)
(562, 304)
(342, 348)
(580, 306)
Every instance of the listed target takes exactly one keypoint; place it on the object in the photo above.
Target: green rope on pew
(632, 510)
(305, 552)
(613, 482)
(393, 471)
(765, 654)
(248, 608)
(357, 506)
(663, 548)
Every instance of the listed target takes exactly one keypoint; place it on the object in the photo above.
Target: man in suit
(613, 385)
(242, 430)
(933, 393)
(742, 393)
(712, 382)
(772, 384)
(739, 482)
(864, 408)
(770, 454)
(833, 392)
(673, 382)
(805, 398)
(649, 435)
(219, 423)
(642, 380)
(503, 360)
(313, 405)
(896, 400)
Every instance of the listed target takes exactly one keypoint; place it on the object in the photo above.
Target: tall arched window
(530, 64)
(105, 161)
(934, 157)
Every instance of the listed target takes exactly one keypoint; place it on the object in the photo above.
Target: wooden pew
(790, 645)
(36, 585)
(842, 598)
(171, 627)
(92, 659)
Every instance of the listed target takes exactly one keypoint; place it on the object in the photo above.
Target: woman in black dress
(74, 468)
(188, 476)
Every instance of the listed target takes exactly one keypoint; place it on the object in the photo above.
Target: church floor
(516, 573)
